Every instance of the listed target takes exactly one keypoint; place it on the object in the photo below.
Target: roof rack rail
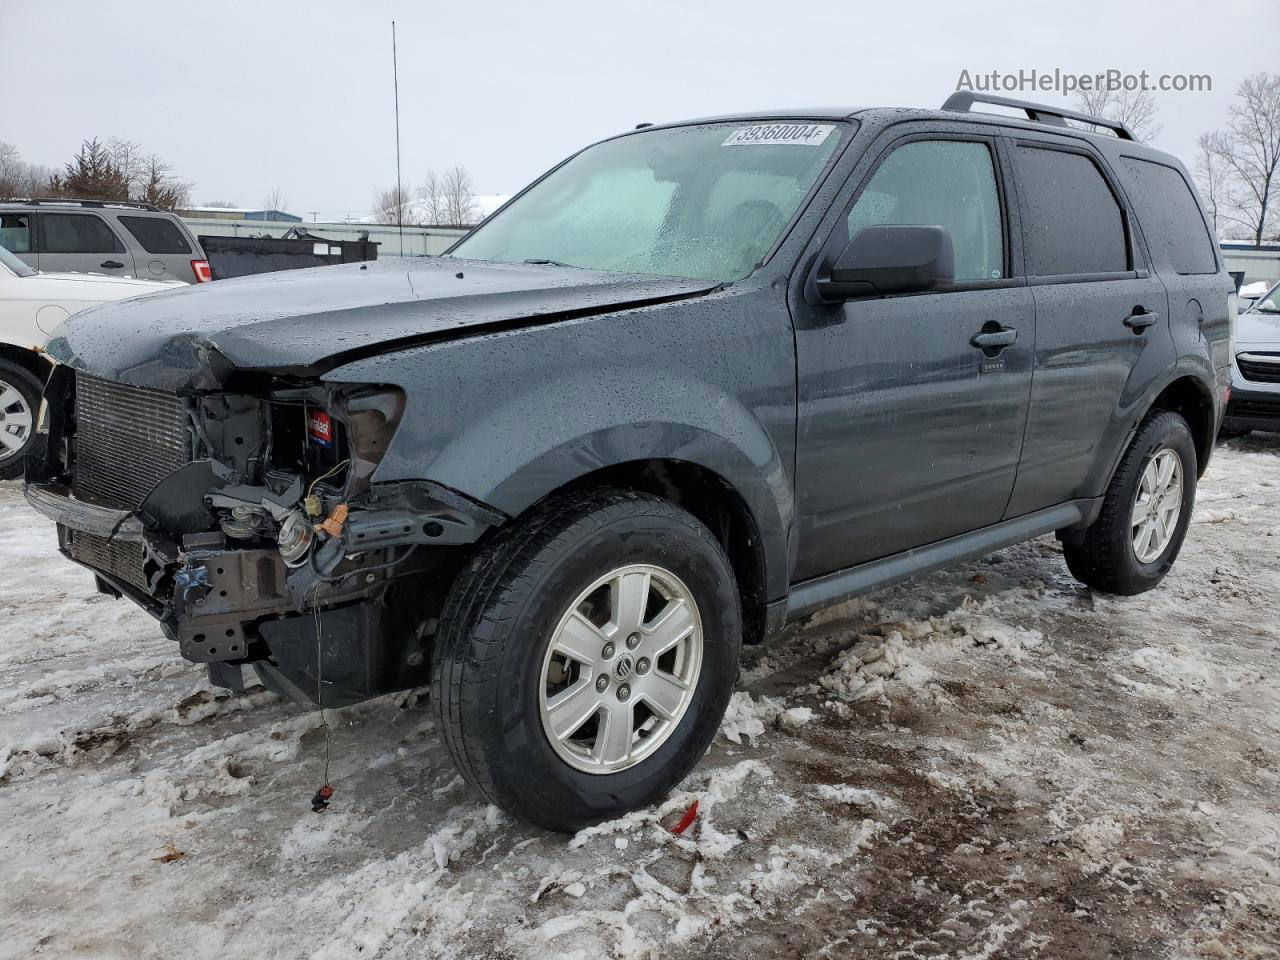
(83, 203)
(962, 100)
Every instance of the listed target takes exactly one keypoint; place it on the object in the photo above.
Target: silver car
(109, 237)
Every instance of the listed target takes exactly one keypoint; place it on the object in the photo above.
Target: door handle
(1004, 337)
(111, 264)
(1140, 319)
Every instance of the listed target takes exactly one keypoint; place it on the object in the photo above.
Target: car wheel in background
(1145, 512)
(587, 656)
(19, 402)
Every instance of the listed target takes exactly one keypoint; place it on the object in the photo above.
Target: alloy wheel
(1157, 506)
(620, 669)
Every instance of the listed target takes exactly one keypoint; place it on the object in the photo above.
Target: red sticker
(320, 427)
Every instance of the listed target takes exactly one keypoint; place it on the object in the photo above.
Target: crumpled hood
(1257, 329)
(308, 320)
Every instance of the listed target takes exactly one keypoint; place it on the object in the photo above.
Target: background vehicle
(32, 304)
(115, 238)
(1255, 369)
(697, 380)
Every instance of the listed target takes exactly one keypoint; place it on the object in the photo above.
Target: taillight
(202, 270)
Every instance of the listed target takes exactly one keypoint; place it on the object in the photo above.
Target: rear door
(82, 242)
(908, 432)
(1102, 330)
(163, 251)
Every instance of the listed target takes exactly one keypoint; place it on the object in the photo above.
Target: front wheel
(586, 658)
(19, 400)
(1145, 513)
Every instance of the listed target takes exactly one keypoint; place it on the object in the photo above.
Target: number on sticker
(797, 134)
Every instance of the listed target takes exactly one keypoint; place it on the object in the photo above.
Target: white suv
(32, 304)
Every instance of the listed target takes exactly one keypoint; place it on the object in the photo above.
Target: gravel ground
(988, 762)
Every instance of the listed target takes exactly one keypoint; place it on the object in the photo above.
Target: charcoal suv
(698, 380)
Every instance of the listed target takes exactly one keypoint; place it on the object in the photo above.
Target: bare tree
(1248, 153)
(432, 200)
(391, 207)
(129, 159)
(19, 178)
(275, 200)
(1211, 177)
(158, 186)
(1136, 109)
(459, 201)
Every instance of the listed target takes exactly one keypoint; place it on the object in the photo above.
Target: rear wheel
(1144, 517)
(587, 657)
(19, 401)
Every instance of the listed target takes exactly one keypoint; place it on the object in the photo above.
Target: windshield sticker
(799, 134)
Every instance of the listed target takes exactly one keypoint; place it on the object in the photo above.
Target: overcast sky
(243, 96)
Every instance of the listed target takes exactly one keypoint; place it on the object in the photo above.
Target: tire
(494, 660)
(1107, 557)
(19, 402)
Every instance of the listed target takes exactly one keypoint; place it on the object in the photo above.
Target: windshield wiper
(542, 261)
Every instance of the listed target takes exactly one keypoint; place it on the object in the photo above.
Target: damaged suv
(698, 380)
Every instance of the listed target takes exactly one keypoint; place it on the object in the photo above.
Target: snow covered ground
(988, 762)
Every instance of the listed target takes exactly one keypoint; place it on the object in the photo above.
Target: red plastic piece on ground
(689, 816)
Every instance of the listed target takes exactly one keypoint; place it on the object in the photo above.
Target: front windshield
(13, 263)
(705, 201)
(1270, 301)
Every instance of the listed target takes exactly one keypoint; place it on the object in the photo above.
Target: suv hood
(1257, 329)
(305, 321)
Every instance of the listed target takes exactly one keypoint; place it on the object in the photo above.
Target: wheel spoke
(571, 708)
(629, 594)
(1165, 478)
(9, 397)
(613, 742)
(9, 445)
(664, 693)
(672, 625)
(580, 639)
(1149, 480)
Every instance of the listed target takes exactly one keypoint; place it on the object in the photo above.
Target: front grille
(1254, 407)
(1259, 367)
(128, 439)
(119, 559)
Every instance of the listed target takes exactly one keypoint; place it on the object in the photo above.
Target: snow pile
(748, 718)
(899, 655)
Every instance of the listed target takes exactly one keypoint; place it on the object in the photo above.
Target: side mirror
(889, 259)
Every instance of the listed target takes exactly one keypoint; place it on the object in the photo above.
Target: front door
(908, 429)
(81, 243)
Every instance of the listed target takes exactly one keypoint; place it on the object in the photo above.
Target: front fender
(508, 419)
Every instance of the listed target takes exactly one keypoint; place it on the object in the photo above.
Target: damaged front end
(248, 521)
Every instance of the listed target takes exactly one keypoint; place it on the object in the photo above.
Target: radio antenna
(395, 78)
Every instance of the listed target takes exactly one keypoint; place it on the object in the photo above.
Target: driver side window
(946, 183)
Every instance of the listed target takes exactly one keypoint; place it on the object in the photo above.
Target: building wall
(1258, 263)
(418, 241)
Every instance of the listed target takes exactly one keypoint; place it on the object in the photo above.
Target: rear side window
(157, 234)
(1169, 215)
(947, 183)
(1072, 223)
(15, 232)
(77, 233)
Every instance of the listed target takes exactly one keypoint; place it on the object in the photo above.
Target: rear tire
(497, 673)
(1127, 550)
(19, 402)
